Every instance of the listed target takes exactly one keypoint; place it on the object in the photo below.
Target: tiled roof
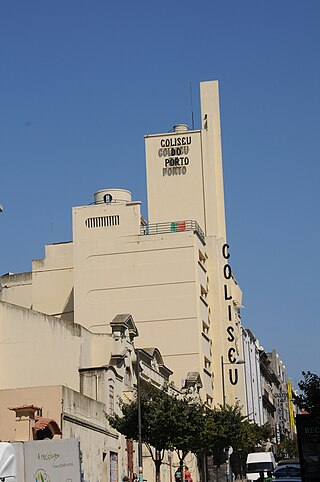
(25, 407)
(42, 423)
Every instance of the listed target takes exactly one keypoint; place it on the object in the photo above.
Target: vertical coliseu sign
(232, 351)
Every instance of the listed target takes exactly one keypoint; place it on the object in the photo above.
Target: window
(205, 328)
(207, 364)
(127, 377)
(204, 292)
(111, 399)
(202, 258)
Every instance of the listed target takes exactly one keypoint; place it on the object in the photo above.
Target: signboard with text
(52, 460)
(175, 177)
(308, 431)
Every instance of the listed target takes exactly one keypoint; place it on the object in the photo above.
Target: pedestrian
(135, 477)
(177, 475)
(261, 477)
(125, 479)
(269, 476)
(187, 475)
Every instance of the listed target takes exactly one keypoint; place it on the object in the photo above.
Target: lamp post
(235, 362)
(139, 417)
(238, 362)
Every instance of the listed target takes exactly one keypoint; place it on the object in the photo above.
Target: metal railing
(173, 227)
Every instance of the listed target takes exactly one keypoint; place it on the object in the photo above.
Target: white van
(258, 462)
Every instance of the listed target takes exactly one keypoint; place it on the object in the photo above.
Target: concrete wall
(37, 349)
(17, 289)
(52, 280)
(48, 288)
(84, 418)
(154, 277)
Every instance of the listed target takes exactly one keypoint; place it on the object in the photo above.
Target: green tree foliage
(309, 400)
(167, 423)
(156, 420)
(227, 427)
(287, 448)
(184, 425)
(250, 436)
(187, 423)
(220, 430)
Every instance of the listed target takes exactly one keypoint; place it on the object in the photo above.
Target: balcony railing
(173, 227)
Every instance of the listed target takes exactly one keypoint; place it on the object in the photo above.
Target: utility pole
(139, 416)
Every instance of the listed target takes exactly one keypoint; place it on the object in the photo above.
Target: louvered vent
(103, 221)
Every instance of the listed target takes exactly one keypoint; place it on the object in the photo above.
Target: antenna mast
(192, 115)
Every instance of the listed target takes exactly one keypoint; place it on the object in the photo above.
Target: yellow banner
(290, 403)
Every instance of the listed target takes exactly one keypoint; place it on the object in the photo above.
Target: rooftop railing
(173, 227)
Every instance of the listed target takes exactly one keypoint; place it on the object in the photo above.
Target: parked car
(258, 462)
(290, 470)
(287, 468)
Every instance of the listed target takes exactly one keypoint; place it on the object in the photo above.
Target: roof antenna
(192, 115)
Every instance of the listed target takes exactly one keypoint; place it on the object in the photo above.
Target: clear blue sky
(81, 83)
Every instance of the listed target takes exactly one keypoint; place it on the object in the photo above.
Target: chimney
(25, 422)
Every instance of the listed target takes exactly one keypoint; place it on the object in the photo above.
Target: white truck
(8, 469)
(40, 461)
(258, 462)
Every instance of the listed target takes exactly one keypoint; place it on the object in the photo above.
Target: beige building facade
(73, 377)
(171, 273)
(72, 354)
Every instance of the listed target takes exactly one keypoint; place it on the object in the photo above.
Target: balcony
(173, 227)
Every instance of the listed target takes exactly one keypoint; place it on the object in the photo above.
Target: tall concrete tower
(185, 182)
(184, 170)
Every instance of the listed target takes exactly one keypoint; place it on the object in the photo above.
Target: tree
(251, 435)
(287, 448)
(309, 400)
(156, 410)
(167, 423)
(184, 425)
(220, 430)
(187, 427)
(226, 427)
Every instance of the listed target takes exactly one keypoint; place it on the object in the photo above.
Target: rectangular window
(111, 399)
(113, 467)
(205, 328)
(127, 377)
(207, 364)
